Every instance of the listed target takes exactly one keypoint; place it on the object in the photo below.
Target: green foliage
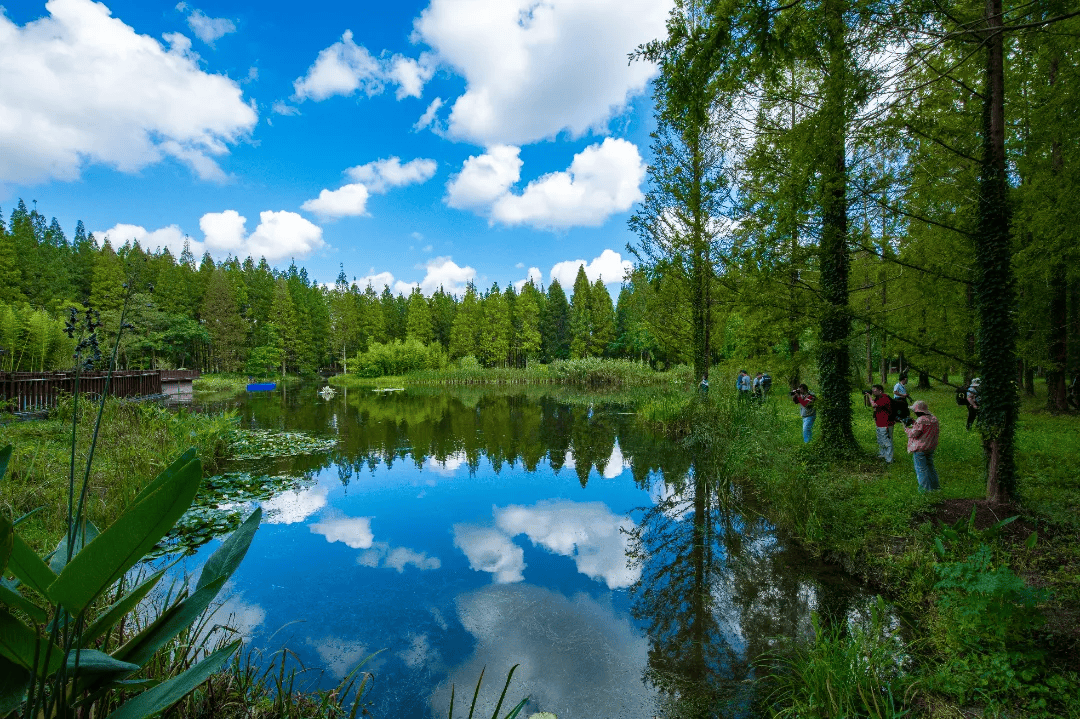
(847, 670)
(397, 358)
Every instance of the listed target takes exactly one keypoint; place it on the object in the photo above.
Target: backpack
(766, 382)
(961, 398)
(894, 413)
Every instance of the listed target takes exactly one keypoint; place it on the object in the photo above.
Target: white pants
(884, 443)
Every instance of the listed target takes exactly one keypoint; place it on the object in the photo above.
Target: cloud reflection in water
(576, 656)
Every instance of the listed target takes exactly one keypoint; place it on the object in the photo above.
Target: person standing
(805, 399)
(922, 440)
(973, 402)
(703, 387)
(881, 406)
(901, 399)
(743, 385)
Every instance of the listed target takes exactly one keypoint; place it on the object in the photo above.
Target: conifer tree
(107, 291)
(493, 333)
(603, 312)
(466, 325)
(527, 321)
(555, 325)
(418, 321)
(582, 324)
(283, 321)
(223, 322)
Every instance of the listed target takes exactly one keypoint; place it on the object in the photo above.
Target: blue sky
(425, 143)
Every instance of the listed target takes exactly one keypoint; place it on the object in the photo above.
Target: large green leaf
(119, 608)
(95, 662)
(5, 457)
(19, 643)
(12, 598)
(227, 558)
(14, 681)
(29, 567)
(169, 623)
(7, 543)
(85, 534)
(166, 694)
(166, 474)
(131, 536)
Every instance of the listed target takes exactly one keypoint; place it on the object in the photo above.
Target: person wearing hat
(922, 440)
(973, 401)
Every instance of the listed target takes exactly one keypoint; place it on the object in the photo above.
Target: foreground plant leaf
(131, 536)
(83, 536)
(25, 564)
(166, 694)
(14, 681)
(19, 644)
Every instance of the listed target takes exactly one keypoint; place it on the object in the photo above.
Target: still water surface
(457, 530)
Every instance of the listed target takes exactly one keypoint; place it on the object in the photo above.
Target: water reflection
(554, 532)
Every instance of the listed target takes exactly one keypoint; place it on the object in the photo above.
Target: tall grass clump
(852, 669)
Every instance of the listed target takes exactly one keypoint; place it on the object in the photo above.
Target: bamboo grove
(866, 180)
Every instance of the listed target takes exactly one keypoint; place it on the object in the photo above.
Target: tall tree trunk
(1056, 400)
(834, 362)
(994, 291)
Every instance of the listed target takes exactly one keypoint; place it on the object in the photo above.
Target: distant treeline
(244, 315)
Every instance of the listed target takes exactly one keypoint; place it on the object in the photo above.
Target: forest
(835, 188)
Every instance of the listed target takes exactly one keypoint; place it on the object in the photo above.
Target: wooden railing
(179, 375)
(28, 391)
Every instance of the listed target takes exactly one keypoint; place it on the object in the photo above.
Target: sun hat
(976, 382)
(920, 406)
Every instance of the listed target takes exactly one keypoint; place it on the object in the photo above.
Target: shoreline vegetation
(989, 608)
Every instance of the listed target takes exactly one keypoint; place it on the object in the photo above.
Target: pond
(458, 530)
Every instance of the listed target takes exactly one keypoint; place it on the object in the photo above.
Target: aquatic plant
(249, 444)
(55, 659)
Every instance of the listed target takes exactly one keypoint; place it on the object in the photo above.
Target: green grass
(136, 442)
(868, 516)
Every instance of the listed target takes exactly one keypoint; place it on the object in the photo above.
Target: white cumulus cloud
(207, 29)
(603, 179)
(375, 177)
(346, 201)
(278, 235)
(609, 267)
(345, 68)
(382, 554)
(444, 272)
(428, 118)
(81, 87)
(380, 175)
(294, 506)
(535, 69)
(484, 178)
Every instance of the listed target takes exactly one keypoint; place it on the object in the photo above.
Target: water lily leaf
(166, 694)
(130, 537)
(227, 558)
(19, 644)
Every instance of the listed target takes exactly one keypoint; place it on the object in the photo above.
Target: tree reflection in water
(716, 587)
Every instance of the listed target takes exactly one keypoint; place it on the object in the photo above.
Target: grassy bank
(224, 383)
(991, 612)
(135, 442)
(592, 373)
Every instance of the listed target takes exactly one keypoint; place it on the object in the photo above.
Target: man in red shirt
(881, 405)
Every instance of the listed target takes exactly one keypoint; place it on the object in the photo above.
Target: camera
(868, 391)
(907, 421)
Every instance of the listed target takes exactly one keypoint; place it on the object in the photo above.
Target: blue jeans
(925, 471)
(807, 429)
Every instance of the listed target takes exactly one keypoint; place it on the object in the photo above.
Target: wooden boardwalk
(31, 391)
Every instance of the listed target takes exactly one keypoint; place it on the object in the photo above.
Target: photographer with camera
(802, 396)
(922, 434)
(879, 402)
